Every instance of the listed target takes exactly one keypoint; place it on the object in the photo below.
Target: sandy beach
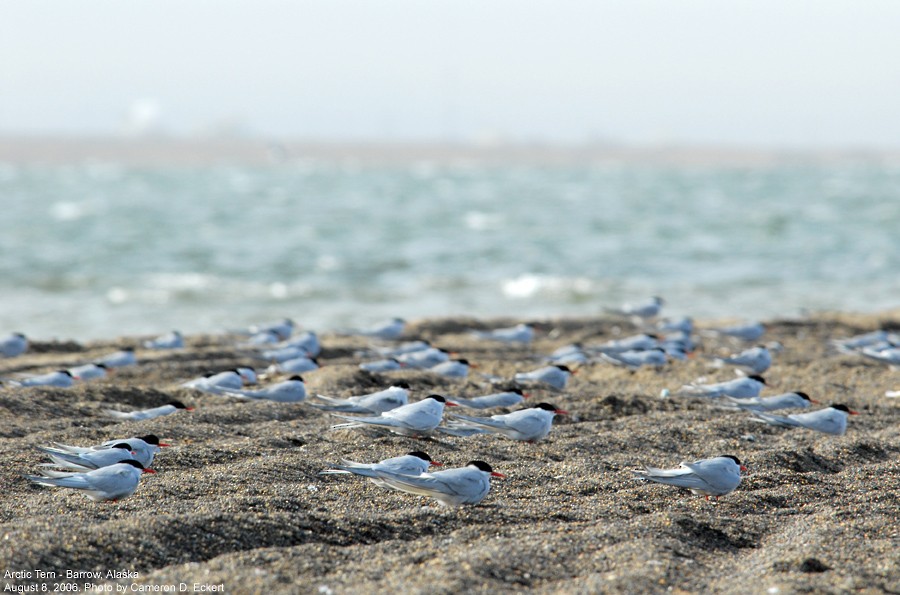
(237, 504)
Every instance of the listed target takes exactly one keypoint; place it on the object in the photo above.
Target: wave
(529, 285)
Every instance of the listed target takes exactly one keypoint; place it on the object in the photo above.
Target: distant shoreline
(174, 151)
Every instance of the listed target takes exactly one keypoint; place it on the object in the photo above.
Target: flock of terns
(112, 470)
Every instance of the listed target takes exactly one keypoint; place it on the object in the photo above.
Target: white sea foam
(481, 221)
(527, 285)
(175, 282)
(68, 210)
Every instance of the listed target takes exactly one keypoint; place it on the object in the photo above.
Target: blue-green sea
(97, 251)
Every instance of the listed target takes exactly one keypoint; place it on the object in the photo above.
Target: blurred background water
(168, 185)
(93, 251)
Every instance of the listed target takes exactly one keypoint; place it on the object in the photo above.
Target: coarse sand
(237, 504)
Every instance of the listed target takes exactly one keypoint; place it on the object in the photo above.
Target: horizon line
(164, 149)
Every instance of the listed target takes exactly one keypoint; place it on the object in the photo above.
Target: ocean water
(97, 251)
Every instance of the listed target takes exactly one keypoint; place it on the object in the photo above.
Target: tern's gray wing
(460, 429)
(87, 461)
(109, 482)
(683, 477)
(701, 390)
(279, 392)
(355, 422)
(348, 466)
(524, 424)
(828, 421)
(507, 399)
(775, 420)
(496, 422)
(116, 481)
(142, 413)
(764, 404)
(452, 487)
(61, 479)
(342, 408)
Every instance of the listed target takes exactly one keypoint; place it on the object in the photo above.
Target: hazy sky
(761, 72)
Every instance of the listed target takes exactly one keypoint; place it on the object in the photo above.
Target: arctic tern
(453, 487)
(708, 477)
(107, 483)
